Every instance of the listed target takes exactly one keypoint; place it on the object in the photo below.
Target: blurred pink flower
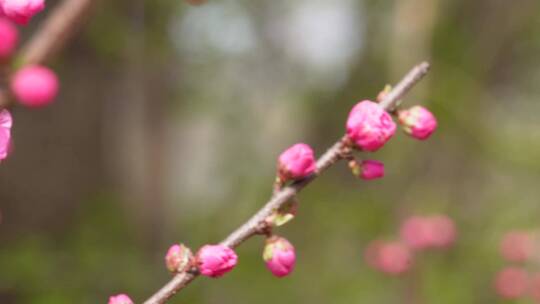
(391, 258)
(511, 283)
(372, 169)
(423, 232)
(444, 231)
(216, 260)
(296, 162)
(120, 299)
(21, 11)
(9, 35)
(35, 86)
(418, 122)
(280, 256)
(6, 122)
(417, 232)
(517, 246)
(534, 287)
(369, 126)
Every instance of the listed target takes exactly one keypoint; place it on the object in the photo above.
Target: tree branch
(52, 35)
(250, 228)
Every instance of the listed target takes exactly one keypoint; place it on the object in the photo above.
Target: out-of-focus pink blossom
(372, 169)
(120, 299)
(392, 258)
(418, 122)
(511, 283)
(444, 231)
(369, 126)
(534, 287)
(417, 232)
(423, 232)
(35, 86)
(216, 260)
(6, 123)
(296, 162)
(21, 11)
(280, 256)
(517, 246)
(9, 37)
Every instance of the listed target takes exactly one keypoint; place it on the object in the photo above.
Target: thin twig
(250, 228)
(60, 26)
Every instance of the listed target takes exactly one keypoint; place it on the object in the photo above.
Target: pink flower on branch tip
(35, 86)
(120, 299)
(215, 260)
(21, 11)
(517, 246)
(179, 258)
(280, 256)
(393, 258)
(296, 162)
(9, 37)
(6, 123)
(369, 126)
(418, 122)
(512, 283)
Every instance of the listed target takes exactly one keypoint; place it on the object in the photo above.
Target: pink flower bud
(215, 260)
(35, 86)
(372, 169)
(296, 162)
(9, 35)
(5, 133)
(179, 258)
(517, 246)
(511, 283)
(120, 299)
(369, 126)
(392, 258)
(21, 11)
(418, 122)
(279, 256)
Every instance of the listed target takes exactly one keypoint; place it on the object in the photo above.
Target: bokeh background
(171, 117)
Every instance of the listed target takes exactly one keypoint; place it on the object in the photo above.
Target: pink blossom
(372, 169)
(417, 232)
(9, 35)
(216, 260)
(418, 122)
(280, 256)
(534, 287)
(296, 162)
(120, 299)
(511, 283)
(178, 258)
(423, 232)
(369, 126)
(6, 122)
(35, 86)
(392, 258)
(444, 231)
(517, 246)
(21, 11)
